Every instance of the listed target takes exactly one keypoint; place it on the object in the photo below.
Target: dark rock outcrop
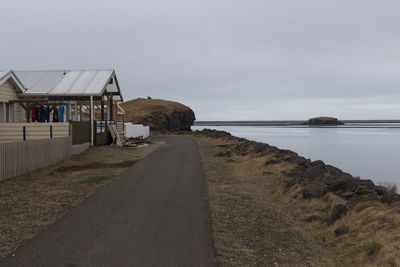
(338, 211)
(341, 230)
(324, 121)
(159, 114)
(315, 177)
(313, 218)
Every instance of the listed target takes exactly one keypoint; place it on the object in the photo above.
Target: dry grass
(391, 187)
(30, 202)
(258, 221)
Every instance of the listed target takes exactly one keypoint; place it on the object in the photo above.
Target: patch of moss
(221, 154)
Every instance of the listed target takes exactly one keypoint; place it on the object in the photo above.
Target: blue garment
(62, 113)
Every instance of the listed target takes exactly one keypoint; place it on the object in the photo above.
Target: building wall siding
(14, 131)
(8, 93)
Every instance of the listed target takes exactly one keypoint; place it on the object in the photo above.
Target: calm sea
(371, 151)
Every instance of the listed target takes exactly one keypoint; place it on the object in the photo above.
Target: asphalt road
(155, 214)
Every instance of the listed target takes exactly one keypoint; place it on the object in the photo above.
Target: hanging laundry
(47, 114)
(33, 114)
(51, 114)
(62, 113)
(37, 114)
(43, 114)
(55, 115)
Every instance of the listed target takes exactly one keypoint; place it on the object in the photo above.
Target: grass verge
(258, 220)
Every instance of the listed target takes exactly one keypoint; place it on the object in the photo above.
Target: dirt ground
(258, 221)
(30, 202)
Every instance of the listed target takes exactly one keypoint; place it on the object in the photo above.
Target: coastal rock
(315, 177)
(316, 163)
(333, 170)
(314, 190)
(297, 160)
(341, 230)
(317, 171)
(344, 182)
(271, 162)
(386, 196)
(324, 121)
(338, 211)
(213, 134)
(313, 218)
(290, 181)
(159, 114)
(346, 194)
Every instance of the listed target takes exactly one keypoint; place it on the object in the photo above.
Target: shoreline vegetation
(272, 207)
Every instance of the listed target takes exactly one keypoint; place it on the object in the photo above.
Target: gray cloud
(228, 60)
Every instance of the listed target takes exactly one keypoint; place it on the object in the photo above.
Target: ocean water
(369, 152)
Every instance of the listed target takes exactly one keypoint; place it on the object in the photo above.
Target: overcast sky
(226, 59)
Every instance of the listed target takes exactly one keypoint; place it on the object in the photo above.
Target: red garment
(33, 114)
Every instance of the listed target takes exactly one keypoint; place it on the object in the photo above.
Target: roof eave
(16, 81)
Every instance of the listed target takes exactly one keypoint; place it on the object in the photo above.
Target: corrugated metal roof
(3, 73)
(39, 81)
(68, 82)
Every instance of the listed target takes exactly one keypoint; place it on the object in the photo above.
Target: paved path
(155, 214)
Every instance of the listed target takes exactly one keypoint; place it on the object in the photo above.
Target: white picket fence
(136, 131)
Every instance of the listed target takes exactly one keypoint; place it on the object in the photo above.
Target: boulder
(316, 163)
(341, 230)
(316, 172)
(344, 182)
(338, 211)
(346, 194)
(159, 114)
(297, 160)
(271, 162)
(314, 190)
(313, 218)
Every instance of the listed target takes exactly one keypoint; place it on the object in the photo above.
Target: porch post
(91, 121)
(68, 116)
(4, 112)
(102, 107)
(110, 108)
(75, 112)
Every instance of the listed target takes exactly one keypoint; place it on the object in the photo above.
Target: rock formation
(159, 114)
(324, 121)
(314, 177)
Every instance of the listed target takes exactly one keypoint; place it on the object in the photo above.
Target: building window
(6, 112)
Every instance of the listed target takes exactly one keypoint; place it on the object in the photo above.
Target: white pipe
(91, 121)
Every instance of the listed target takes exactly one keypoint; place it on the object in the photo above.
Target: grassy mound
(159, 114)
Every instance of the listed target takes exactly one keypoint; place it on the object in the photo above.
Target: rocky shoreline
(314, 177)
